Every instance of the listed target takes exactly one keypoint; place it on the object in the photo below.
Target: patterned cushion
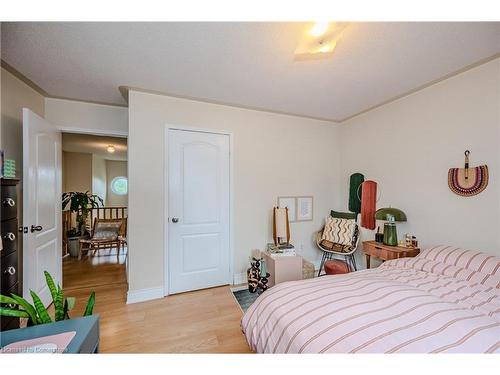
(107, 230)
(343, 215)
(339, 231)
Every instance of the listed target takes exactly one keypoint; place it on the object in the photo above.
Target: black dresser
(9, 253)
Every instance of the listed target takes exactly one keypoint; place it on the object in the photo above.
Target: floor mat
(244, 297)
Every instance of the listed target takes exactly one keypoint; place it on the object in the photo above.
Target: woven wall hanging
(467, 181)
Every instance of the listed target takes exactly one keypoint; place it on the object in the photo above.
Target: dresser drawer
(9, 202)
(9, 322)
(8, 268)
(9, 236)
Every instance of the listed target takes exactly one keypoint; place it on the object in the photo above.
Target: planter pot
(73, 246)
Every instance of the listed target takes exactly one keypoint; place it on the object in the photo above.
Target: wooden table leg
(367, 261)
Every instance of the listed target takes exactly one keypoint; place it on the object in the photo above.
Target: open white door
(41, 204)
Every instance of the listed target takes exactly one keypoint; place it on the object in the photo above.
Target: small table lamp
(390, 216)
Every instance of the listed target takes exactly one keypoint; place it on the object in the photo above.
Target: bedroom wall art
(468, 181)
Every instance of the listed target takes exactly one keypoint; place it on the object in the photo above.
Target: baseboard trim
(142, 295)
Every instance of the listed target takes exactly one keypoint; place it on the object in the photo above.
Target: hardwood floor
(205, 321)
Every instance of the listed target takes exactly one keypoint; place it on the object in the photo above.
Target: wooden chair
(106, 234)
(339, 250)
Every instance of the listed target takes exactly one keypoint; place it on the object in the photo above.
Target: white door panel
(41, 204)
(198, 201)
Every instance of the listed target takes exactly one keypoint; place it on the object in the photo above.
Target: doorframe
(168, 127)
(97, 133)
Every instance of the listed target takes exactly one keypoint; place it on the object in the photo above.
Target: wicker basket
(307, 269)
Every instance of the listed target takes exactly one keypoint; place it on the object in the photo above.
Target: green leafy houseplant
(37, 313)
(81, 203)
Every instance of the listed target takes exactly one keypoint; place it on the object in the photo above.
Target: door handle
(37, 228)
(175, 220)
(10, 271)
(9, 202)
(10, 236)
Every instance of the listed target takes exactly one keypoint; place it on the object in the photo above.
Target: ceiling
(244, 64)
(97, 145)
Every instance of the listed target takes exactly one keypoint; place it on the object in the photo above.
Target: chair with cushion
(106, 234)
(339, 238)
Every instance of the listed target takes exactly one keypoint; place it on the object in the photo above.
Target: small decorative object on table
(281, 226)
(379, 237)
(9, 168)
(390, 215)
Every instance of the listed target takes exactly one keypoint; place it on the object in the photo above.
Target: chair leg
(80, 251)
(348, 263)
(323, 259)
(354, 262)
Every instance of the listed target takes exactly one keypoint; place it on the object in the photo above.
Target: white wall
(15, 95)
(77, 171)
(78, 116)
(273, 155)
(115, 168)
(408, 146)
(99, 177)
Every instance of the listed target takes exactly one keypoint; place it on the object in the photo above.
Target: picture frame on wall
(291, 204)
(304, 209)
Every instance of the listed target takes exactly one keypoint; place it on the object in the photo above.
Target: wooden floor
(206, 321)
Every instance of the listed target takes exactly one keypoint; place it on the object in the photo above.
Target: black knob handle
(36, 228)
(175, 220)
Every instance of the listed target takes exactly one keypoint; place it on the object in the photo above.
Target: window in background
(119, 185)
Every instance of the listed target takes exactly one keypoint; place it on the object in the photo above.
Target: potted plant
(80, 203)
(36, 313)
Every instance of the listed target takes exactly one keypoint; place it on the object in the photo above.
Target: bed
(444, 300)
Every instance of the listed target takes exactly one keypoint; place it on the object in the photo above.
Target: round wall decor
(468, 182)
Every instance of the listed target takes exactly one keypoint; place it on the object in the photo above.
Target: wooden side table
(386, 252)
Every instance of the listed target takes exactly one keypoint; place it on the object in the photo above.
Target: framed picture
(291, 204)
(304, 208)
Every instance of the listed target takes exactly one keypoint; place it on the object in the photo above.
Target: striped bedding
(444, 300)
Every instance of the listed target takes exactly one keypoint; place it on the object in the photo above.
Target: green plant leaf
(71, 303)
(56, 297)
(5, 311)
(27, 307)
(5, 299)
(43, 315)
(90, 305)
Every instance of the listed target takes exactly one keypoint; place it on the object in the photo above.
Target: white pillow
(339, 231)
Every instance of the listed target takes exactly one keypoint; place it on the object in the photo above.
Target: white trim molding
(239, 278)
(103, 132)
(142, 295)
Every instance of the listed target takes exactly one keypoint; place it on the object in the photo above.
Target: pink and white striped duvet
(444, 300)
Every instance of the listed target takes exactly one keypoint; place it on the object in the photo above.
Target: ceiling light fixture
(320, 40)
(319, 28)
(111, 149)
